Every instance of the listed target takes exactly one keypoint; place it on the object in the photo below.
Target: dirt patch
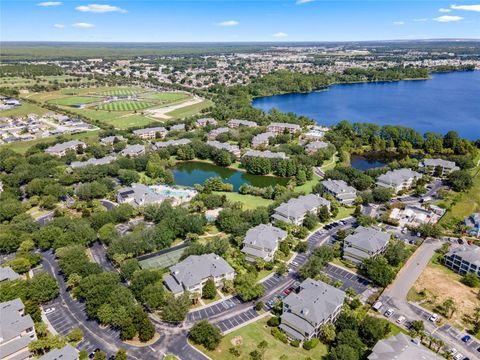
(237, 341)
(440, 285)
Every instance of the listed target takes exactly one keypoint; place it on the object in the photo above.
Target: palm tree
(440, 344)
(449, 305)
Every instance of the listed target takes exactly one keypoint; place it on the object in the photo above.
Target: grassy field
(189, 110)
(168, 97)
(69, 101)
(23, 110)
(121, 92)
(127, 105)
(248, 337)
(249, 201)
(19, 82)
(128, 121)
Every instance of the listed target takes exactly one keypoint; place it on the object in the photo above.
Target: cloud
(100, 9)
(300, 2)
(448, 18)
(83, 25)
(466, 7)
(229, 23)
(399, 23)
(280, 35)
(50, 3)
(58, 26)
(443, 10)
(420, 20)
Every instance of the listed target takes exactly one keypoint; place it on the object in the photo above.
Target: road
(395, 296)
(99, 254)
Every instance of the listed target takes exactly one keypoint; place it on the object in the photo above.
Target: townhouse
(192, 273)
(215, 132)
(262, 139)
(439, 166)
(206, 121)
(158, 132)
(62, 148)
(313, 135)
(340, 190)
(400, 179)
(364, 243)
(281, 128)
(110, 140)
(133, 150)
(262, 241)
(295, 209)
(17, 330)
(177, 127)
(463, 259)
(266, 154)
(315, 304)
(165, 144)
(232, 149)
(401, 347)
(235, 123)
(102, 161)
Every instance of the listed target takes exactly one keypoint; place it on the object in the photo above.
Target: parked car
(389, 312)
(453, 351)
(433, 317)
(401, 319)
(458, 356)
(49, 310)
(466, 338)
(377, 306)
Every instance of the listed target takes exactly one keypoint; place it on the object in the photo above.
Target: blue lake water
(446, 102)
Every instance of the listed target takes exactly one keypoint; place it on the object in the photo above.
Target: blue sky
(237, 20)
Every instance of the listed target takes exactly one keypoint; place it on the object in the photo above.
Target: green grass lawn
(168, 97)
(18, 82)
(125, 105)
(189, 110)
(24, 110)
(330, 164)
(307, 188)
(344, 212)
(249, 201)
(68, 101)
(248, 337)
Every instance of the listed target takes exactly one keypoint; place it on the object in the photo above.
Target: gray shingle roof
(164, 144)
(397, 177)
(234, 149)
(468, 253)
(238, 122)
(263, 137)
(401, 347)
(298, 207)
(159, 129)
(102, 161)
(340, 189)
(7, 273)
(440, 162)
(285, 125)
(316, 145)
(369, 239)
(265, 236)
(266, 154)
(68, 352)
(72, 144)
(12, 324)
(133, 149)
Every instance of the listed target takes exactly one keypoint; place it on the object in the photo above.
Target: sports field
(121, 92)
(128, 105)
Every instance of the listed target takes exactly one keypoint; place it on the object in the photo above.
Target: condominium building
(364, 243)
(463, 259)
(340, 190)
(280, 128)
(400, 179)
(158, 132)
(262, 241)
(295, 209)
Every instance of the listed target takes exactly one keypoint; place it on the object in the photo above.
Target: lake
(445, 102)
(191, 172)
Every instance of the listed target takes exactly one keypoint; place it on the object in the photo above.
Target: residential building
(138, 195)
(445, 166)
(8, 274)
(62, 148)
(261, 242)
(235, 123)
(193, 272)
(401, 347)
(133, 150)
(232, 149)
(266, 154)
(110, 140)
(151, 133)
(365, 243)
(206, 121)
(313, 135)
(315, 146)
(473, 223)
(400, 179)
(102, 161)
(165, 144)
(415, 215)
(262, 139)
(463, 259)
(295, 209)
(215, 132)
(68, 352)
(177, 127)
(315, 304)
(280, 128)
(17, 330)
(340, 190)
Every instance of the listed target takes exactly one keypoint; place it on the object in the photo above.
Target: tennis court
(163, 259)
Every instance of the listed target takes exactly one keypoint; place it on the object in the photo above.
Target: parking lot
(272, 282)
(214, 309)
(236, 320)
(473, 344)
(348, 279)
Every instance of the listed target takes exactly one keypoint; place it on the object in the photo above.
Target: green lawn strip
(344, 212)
(189, 110)
(129, 121)
(307, 188)
(249, 201)
(330, 164)
(248, 337)
(73, 100)
(24, 110)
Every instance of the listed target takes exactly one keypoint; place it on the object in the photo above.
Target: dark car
(466, 338)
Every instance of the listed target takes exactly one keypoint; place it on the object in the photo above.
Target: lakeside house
(102, 161)
(315, 304)
(443, 167)
(165, 144)
(158, 132)
(315, 146)
(235, 123)
(401, 347)
(62, 148)
(133, 150)
(400, 179)
(295, 209)
(262, 139)
(281, 128)
(192, 273)
(473, 223)
(262, 241)
(215, 132)
(17, 331)
(365, 243)
(232, 149)
(68, 352)
(266, 154)
(206, 121)
(8, 274)
(340, 190)
(463, 259)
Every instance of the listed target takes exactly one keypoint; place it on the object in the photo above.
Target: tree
(460, 180)
(247, 288)
(209, 290)
(343, 352)
(146, 330)
(378, 270)
(373, 329)
(418, 325)
(429, 230)
(121, 354)
(176, 308)
(100, 355)
(75, 335)
(42, 288)
(471, 279)
(328, 333)
(320, 257)
(396, 252)
(449, 306)
(204, 333)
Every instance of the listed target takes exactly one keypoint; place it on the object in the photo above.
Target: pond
(445, 102)
(193, 172)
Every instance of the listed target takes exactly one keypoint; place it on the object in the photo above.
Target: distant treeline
(449, 68)
(30, 70)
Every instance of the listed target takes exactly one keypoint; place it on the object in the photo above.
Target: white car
(453, 351)
(433, 318)
(389, 312)
(401, 319)
(459, 356)
(49, 310)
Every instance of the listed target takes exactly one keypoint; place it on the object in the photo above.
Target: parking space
(237, 320)
(272, 282)
(348, 279)
(214, 309)
(60, 321)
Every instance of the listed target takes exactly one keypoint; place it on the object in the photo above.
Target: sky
(237, 20)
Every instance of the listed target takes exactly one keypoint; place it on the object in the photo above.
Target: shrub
(310, 344)
(471, 280)
(295, 343)
(278, 334)
(259, 306)
(273, 322)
